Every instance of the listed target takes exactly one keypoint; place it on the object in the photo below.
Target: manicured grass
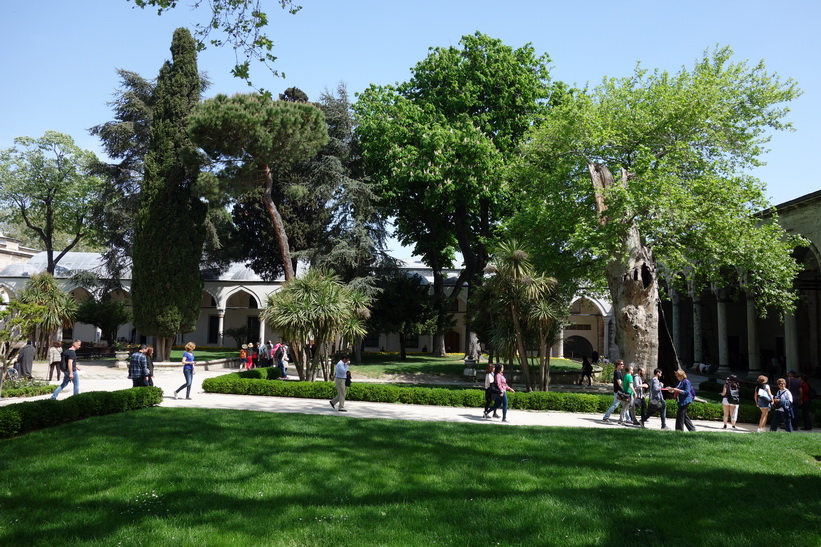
(164, 476)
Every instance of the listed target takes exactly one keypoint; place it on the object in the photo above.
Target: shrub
(32, 415)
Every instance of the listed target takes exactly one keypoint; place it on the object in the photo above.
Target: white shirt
(341, 369)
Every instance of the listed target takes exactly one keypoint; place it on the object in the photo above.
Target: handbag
(348, 379)
(623, 396)
(762, 394)
(654, 405)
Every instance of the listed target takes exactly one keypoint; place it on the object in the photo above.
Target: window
(412, 341)
(371, 340)
(578, 326)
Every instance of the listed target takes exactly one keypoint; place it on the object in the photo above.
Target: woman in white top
(55, 354)
(782, 403)
(490, 380)
(731, 399)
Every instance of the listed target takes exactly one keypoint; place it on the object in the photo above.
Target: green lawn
(165, 476)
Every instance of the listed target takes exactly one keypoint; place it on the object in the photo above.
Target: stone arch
(576, 347)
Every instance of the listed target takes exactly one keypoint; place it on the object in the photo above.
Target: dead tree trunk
(632, 280)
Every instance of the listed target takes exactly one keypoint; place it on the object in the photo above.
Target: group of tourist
(496, 390)
(141, 368)
(255, 355)
(793, 395)
(640, 399)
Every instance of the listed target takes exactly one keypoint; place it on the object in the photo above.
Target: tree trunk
(276, 220)
(439, 345)
(632, 280)
(403, 354)
(474, 350)
(520, 347)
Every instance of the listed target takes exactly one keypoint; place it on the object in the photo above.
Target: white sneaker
(175, 394)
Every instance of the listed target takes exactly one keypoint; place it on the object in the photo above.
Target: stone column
(674, 296)
(698, 350)
(220, 326)
(560, 344)
(790, 342)
(723, 352)
(261, 331)
(754, 359)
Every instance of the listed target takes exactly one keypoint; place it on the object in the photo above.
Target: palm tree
(60, 309)
(316, 306)
(513, 289)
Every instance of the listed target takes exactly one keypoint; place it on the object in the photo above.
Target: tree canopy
(263, 138)
(653, 169)
(438, 144)
(169, 235)
(47, 187)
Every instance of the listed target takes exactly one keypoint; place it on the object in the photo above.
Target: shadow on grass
(214, 477)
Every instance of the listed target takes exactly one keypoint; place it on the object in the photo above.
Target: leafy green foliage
(17, 320)
(46, 186)
(239, 23)
(169, 232)
(108, 315)
(59, 309)
(404, 305)
(260, 139)
(32, 415)
(316, 306)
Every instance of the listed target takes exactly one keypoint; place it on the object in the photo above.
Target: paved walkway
(100, 377)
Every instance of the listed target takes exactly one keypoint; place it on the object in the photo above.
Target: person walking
(587, 372)
(639, 407)
(806, 402)
(684, 394)
(187, 370)
(618, 377)
(501, 398)
(782, 403)
(138, 368)
(657, 402)
(25, 360)
(71, 370)
(490, 390)
(54, 356)
(149, 357)
(628, 384)
(731, 399)
(340, 375)
(763, 399)
(794, 385)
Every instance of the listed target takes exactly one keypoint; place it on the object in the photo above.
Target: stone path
(97, 376)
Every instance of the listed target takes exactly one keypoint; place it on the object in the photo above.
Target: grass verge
(164, 476)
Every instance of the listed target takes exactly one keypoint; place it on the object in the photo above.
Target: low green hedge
(254, 382)
(28, 390)
(31, 415)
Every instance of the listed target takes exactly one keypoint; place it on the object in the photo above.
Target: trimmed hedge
(31, 415)
(253, 382)
(28, 391)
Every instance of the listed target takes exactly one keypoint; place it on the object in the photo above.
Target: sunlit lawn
(166, 476)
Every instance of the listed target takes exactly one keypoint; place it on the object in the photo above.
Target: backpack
(733, 396)
(243, 354)
(692, 391)
(63, 362)
(278, 353)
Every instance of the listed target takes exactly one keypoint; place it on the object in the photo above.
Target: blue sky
(58, 57)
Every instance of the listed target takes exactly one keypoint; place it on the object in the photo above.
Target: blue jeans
(501, 401)
(781, 416)
(66, 380)
(282, 369)
(189, 379)
(610, 410)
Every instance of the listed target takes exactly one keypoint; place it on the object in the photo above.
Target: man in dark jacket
(25, 360)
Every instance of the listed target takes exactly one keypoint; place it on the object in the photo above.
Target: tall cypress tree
(169, 234)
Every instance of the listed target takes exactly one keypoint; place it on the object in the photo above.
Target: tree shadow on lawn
(292, 479)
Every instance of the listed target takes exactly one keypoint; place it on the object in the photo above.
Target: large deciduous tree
(263, 138)
(438, 145)
(654, 169)
(46, 186)
(169, 234)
